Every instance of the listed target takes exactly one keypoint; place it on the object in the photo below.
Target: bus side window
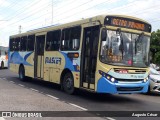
(30, 42)
(75, 37)
(48, 41)
(75, 43)
(71, 38)
(62, 45)
(23, 43)
(11, 44)
(65, 39)
(52, 42)
(17, 44)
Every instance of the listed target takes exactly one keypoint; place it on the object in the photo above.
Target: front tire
(21, 73)
(68, 83)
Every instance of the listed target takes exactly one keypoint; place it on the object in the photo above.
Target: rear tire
(68, 83)
(22, 73)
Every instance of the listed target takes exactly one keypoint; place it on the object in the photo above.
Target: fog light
(145, 80)
(108, 77)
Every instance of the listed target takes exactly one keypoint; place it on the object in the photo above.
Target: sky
(33, 14)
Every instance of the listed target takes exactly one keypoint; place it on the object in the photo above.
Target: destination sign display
(127, 23)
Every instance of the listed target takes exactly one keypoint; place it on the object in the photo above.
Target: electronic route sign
(127, 23)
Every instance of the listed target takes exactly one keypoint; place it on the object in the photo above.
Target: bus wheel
(68, 84)
(21, 73)
(2, 65)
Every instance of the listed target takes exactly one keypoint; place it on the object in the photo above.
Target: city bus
(102, 54)
(3, 57)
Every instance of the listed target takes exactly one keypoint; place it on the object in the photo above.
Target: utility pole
(20, 29)
(52, 12)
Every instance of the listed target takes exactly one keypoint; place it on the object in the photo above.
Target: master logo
(52, 60)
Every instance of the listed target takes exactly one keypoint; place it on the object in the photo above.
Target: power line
(7, 6)
(72, 9)
(41, 15)
(10, 6)
(42, 8)
(60, 14)
(68, 16)
(45, 14)
(22, 10)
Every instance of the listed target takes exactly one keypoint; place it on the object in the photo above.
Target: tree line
(155, 47)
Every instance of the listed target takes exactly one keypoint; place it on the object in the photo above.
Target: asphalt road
(35, 95)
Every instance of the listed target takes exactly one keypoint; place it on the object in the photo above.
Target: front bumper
(105, 86)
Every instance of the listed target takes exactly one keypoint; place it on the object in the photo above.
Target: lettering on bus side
(53, 60)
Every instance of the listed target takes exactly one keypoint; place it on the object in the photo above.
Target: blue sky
(32, 14)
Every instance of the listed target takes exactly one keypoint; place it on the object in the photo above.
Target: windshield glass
(124, 49)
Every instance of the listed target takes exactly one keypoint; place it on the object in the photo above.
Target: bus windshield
(124, 48)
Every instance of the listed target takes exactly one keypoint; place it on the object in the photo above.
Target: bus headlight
(146, 79)
(112, 80)
(108, 77)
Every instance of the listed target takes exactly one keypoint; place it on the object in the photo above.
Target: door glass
(89, 57)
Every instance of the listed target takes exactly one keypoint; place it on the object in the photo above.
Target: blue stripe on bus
(27, 55)
(16, 58)
(69, 63)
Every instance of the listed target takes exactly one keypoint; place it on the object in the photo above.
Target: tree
(155, 46)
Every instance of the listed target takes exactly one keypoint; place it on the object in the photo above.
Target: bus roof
(99, 18)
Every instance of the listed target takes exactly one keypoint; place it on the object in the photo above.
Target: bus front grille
(129, 88)
(129, 80)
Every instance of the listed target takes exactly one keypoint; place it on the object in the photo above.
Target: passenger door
(39, 56)
(89, 56)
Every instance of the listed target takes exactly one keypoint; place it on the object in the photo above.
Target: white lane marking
(52, 96)
(21, 85)
(11, 82)
(109, 118)
(4, 78)
(1, 118)
(78, 106)
(34, 90)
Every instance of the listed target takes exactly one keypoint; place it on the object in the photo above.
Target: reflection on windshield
(125, 49)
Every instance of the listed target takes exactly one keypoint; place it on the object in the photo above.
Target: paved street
(35, 95)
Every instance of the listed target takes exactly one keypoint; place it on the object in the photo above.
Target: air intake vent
(129, 88)
(129, 80)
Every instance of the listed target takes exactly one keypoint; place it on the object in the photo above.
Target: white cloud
(4, 3)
